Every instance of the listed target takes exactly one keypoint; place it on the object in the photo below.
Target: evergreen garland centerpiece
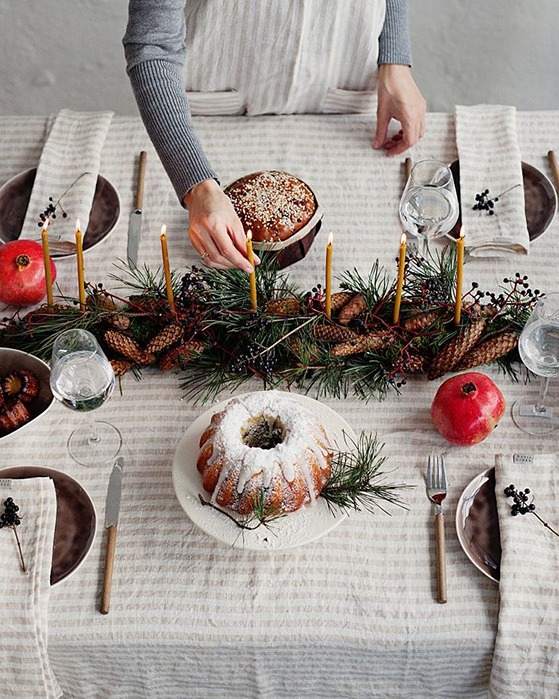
(215, 340)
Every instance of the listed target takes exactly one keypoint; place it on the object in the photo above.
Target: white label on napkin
(522, 459)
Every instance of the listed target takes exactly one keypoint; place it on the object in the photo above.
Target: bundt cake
(264, 449)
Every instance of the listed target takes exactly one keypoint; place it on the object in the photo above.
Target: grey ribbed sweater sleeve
(394, 41)
(154, 45)
(155, 51)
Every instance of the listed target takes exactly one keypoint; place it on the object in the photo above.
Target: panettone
(280, 210)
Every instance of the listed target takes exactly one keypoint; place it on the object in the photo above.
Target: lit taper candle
(328, 300)
(80, 265)
(46, 260)
(459, 277)
(167, 268)
(252, 275)
(400, 282)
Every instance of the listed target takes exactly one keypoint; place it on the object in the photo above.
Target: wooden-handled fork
(436, 491)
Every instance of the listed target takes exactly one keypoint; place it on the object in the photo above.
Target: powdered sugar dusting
(301, 445)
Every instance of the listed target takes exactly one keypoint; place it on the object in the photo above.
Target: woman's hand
(215, 230)
(398, 98)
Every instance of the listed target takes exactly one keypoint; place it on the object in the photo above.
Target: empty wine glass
(82, 379)
(539, 350)
(429, 206)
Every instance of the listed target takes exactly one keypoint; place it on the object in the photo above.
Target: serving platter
(295, 529)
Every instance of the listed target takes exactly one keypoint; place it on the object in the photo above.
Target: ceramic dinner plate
(477, 524)
(76, 522)
(14, 199)
(540, 199)
(295, 529)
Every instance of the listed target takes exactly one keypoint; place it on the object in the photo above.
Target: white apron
(282, 56)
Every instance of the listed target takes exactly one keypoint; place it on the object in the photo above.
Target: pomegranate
(22, 273)
(467, 408)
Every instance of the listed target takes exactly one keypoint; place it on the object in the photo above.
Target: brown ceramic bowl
(16, 360)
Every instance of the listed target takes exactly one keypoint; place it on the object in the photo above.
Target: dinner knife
(135, 224)
(112, 508)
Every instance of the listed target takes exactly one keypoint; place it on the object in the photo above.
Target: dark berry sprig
(10, 518)
(486, 203)
(316, 298)
(49, 211)
(523, 504)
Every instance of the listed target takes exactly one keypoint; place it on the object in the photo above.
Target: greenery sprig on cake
(215, 341)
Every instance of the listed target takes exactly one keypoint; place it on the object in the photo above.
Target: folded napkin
(526, 658)
(24, 668)
(68, 169)
(490, 159)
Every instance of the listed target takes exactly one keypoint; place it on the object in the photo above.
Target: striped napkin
(526, 658)
(24, 666)
(489, 158)
(68, 169)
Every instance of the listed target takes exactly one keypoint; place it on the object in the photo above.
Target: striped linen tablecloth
(352, 614)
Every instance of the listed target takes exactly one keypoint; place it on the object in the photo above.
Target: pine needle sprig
(357, 481)
(374, 288)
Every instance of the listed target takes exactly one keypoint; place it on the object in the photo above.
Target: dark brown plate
(477, 524)
(14, 199)
(540, 200)
(75, 519)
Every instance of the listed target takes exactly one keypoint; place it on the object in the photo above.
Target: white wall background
(68, 53)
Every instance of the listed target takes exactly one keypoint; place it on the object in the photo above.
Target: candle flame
(78, 225)
(249, 234)
(163, 229)
(403, 239)
(462, 232)
(330, 238)
(46, 224)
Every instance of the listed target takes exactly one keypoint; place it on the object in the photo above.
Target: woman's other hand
(398, 98)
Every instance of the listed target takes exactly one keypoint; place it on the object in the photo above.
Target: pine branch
(357, 481)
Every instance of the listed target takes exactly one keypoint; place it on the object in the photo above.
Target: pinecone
(148, 304)
(180, 355)
(128, 347)
(491, 349)
(285, 306)
(334, 333)
(121, 366)
(451, 354)
(414, 364)
(371, 341)
(102, 302)
(351, 310)
(339, 299)
(166, 337)
(119, 321)
(421, 321)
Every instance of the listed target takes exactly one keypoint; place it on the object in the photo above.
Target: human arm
(155, 51)
(398, 95)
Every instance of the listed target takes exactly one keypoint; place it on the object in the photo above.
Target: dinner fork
(436, 491)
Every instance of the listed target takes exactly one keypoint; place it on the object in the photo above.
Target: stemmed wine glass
(429, 205)
(539, 350)
(82, 379)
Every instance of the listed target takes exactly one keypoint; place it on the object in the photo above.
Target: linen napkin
(24, 668)
(489, 158)
(67, 171)
(526, 658)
